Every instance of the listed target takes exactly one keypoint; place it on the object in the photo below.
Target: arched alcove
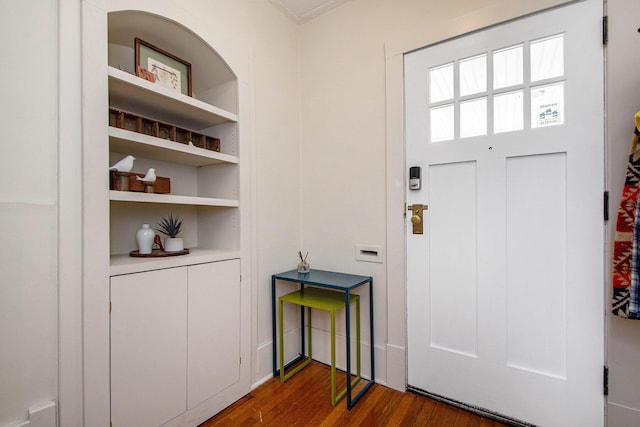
(213, 80)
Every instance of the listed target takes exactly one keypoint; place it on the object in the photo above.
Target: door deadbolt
(416, 217)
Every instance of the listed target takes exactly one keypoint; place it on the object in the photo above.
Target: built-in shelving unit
(124, 264)
(204, 183)
(140, 145)
(129, 196)
(183, 311)
(132, 93)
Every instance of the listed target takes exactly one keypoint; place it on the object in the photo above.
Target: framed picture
(168, 70)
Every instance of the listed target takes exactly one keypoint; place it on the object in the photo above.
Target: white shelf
(131, 93)
(141, 145)
(125, 264)
(130, 196)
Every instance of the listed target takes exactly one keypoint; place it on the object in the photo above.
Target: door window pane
(473, 118)
(473, 75)
(441, 123)
(499, 90)
(507, 67)
(508, 114)
(547, 58)
(547, 105)
(441, 83)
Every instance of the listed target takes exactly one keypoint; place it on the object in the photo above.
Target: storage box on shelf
(162, 184)
(135, 123)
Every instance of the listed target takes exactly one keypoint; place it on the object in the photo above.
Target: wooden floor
(304, 400)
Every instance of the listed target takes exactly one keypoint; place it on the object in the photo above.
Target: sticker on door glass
(547, 105)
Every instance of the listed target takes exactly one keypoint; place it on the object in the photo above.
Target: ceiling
(303, 10)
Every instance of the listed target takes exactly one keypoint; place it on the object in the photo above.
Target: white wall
(333, 148)
(273, 41)
(623, 92)
(28, 207)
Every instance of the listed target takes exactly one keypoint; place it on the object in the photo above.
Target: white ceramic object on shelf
(124, 165)
(173, 244)
(144, 238)
(149, 177)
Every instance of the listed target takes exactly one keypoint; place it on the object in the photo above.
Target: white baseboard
(382, 376)
(622, 416)
(261, 381)
(396, 367)
(43, 415)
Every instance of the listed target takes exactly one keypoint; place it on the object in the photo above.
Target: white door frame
(396, 175)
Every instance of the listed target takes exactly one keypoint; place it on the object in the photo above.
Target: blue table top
(326, 279)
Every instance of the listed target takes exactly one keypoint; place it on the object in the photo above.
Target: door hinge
(606, 206)
(110, 306)
(605, 30)
(605, 381)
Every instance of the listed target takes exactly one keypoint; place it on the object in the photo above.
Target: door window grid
(473, 117)
(473, 75)
(504, 90)
(508, 112)
(441, 83)
(508, 66)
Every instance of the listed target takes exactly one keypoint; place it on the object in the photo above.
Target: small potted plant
(170, 226)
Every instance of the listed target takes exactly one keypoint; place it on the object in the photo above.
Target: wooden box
(166, 132)
(162, 185)
(182, 136)
(149, 127)
(135, 123)
(205, 141)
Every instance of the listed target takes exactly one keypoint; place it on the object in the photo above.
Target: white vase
(144, 238)
(173, 244)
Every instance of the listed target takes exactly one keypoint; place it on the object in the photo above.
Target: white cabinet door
(148, 347)
(214, 329)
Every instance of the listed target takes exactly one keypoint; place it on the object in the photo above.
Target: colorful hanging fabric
(634, 312)
(626, 247)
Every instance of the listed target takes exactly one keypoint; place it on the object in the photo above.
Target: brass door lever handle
(416, 217)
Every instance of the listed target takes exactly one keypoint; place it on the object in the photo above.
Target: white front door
(505, 287)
